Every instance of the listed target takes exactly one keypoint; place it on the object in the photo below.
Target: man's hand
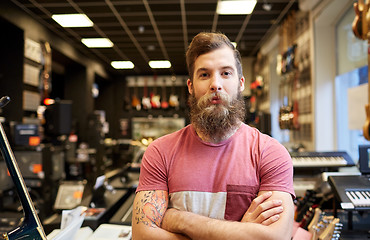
(263, 211)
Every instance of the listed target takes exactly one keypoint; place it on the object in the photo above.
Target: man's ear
(242, 83)
(190, 86)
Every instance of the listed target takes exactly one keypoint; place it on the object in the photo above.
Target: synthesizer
(321, 159)
(353, 192)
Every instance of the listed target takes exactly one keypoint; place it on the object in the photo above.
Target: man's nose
(216, 84)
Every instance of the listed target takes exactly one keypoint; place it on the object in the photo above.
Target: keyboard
(321, 159)
(353, 192)
(359, 197)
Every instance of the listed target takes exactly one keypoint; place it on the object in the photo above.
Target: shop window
(350, 109)
(351, 77)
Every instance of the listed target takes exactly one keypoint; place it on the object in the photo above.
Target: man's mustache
(205, 100)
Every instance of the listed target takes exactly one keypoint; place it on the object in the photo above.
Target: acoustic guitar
(164, 102)
(145, 101)
(174, 99)
(155, 99)
(365, 25)
(30, 227)
(360, 29)
(135, 102)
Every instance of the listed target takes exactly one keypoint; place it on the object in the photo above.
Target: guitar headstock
(315, 220)
(332, 231)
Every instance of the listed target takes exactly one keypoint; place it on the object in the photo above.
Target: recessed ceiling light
(97, 42)
(122, 64)
(72, 20)
(151, 48)
(160, 64)
(231, 7)
(267, 6)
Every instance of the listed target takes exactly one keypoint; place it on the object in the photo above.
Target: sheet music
(71, 223)
(112, 231)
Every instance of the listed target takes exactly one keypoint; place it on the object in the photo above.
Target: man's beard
(216, 121)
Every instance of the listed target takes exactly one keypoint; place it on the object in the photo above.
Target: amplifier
(46, 163)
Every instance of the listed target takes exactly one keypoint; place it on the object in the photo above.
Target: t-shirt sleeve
(152, 171)
(276, 169)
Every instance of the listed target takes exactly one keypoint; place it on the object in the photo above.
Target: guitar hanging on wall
(360, 29)
(45, 76)
(30, 227)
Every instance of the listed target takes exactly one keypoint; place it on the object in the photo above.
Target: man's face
(216, 103)
(215, 72)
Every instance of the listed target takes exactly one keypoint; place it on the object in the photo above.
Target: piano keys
(359, 197)
(321, 159)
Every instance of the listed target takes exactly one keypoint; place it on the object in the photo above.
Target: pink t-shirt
(216, 180)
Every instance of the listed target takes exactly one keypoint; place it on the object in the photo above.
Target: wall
(247, 64)
(11, 69)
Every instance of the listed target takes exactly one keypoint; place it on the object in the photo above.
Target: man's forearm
(148, 210)
(156, 233)
(204, 228)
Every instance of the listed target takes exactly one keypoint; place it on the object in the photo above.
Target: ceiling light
(97, 42)
(160, 64)
(234, 43)
(72, 20)
(122, 64)
(151, 47)
(232, 7)
(266, 6)
(141, 29)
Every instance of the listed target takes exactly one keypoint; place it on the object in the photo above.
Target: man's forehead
(220, 58)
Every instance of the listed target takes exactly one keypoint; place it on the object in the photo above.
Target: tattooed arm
(148, 211)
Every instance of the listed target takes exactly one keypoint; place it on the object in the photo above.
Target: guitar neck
(31, 227)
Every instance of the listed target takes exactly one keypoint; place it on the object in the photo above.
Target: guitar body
(145, 101)
(366, 127)
(360, 29)
(174, 101)
(155, 100)
(135, 103)
(28, 230)
(31, 227)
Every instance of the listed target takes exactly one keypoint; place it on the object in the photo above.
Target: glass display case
(152, 128)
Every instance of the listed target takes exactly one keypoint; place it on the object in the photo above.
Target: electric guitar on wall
(45, 76)
(30, 227)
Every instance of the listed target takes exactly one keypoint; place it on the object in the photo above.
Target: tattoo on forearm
(150, 210)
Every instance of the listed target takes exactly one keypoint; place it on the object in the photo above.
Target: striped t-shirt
(216, 180)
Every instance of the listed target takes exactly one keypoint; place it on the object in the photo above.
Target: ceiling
(144, 30)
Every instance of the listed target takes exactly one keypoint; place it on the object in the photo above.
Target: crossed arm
(270, 216)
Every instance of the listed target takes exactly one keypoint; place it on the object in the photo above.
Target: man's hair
(205, 42)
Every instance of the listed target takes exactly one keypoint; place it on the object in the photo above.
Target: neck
(217, 138)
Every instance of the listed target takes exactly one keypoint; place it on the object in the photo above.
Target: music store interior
(85, 98)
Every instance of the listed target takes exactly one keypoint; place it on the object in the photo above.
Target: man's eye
(202, 75)
(227, 73)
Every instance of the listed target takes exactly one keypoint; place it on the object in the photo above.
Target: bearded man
(216, 178)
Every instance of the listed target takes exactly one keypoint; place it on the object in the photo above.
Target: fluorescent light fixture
(122, 64)
(160, 64)
(234, 7)
(97, 42)
(72, 20)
